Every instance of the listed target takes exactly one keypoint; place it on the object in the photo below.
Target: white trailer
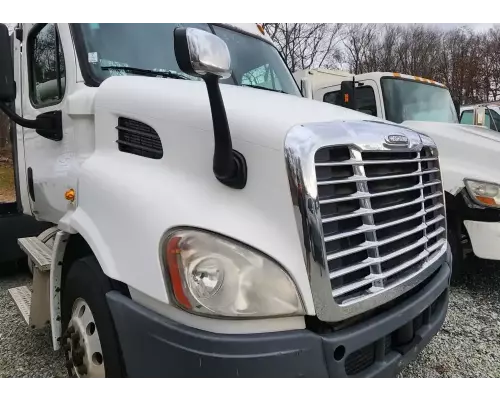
(201, 226)
(471, 174)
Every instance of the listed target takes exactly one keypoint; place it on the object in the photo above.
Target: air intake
(137, 138)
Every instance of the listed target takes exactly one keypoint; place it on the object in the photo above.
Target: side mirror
(480, 116)
(348, 99)
(202, 54)
(7, 83)
(306, 88)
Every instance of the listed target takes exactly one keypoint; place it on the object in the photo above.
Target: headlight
(215, 276)
(486, 194)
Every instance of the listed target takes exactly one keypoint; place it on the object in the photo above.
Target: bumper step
(22, 297)
(37, 251)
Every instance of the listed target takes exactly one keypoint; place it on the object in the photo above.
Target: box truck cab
(207, 220)
(485, 115)
(468, 153)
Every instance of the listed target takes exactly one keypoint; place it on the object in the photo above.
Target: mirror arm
(26, 123)
(47, 125)
(229, 166)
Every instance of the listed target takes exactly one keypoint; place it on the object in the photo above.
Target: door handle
(31, 188)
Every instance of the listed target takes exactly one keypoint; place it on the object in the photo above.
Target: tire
(457, 252)
(47, 237)
(86, 282)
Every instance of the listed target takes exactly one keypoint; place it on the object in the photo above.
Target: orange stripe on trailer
(396, 74)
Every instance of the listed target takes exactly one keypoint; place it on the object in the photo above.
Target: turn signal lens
(486, 194)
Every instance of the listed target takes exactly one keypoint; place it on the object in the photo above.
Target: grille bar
(382, 214)
(370, 261)
(366, 228)
(360, 178)
(364, 195)
(366, 211)
(421, 256)
(354, 162)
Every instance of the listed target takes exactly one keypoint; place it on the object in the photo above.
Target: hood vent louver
(137, 138)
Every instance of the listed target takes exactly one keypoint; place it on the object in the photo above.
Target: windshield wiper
(146, 72)
(265, 88)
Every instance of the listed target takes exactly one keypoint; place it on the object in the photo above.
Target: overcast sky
(477, 23)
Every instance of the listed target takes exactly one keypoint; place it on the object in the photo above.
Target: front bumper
(154, 346)
(484, 238)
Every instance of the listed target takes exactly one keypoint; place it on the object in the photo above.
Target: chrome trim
(301, 144)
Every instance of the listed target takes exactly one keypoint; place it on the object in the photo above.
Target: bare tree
(307, 45)
(359, 41)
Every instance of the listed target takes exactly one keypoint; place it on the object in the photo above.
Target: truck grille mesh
(382, 215)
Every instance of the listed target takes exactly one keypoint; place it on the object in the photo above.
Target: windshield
(406, 100)
(150, 47)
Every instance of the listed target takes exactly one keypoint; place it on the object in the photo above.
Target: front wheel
(90, 342)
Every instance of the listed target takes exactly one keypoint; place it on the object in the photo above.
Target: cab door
(47, 161)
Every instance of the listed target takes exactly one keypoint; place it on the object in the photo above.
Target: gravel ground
(23, 352)
(468, 345)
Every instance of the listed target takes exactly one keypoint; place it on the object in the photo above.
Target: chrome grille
(382, 214)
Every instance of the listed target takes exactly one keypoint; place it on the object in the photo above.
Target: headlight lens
(486, 194)
(215, 276)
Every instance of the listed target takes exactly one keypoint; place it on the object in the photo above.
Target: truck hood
(257, 116)
(465, 151)
(463, 129)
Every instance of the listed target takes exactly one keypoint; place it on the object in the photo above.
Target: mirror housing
(200, 53)
(306, 88)
(205, 55)
(480, 116)
(348, 100)
(7, 83)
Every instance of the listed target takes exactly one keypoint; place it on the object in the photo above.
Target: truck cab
(485, 115)
(206, 218)
(468, 153)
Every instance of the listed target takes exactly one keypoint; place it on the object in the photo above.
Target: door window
(46, 63)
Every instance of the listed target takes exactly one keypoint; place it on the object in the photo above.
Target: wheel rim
(82, 346)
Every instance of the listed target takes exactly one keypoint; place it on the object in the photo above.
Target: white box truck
(206, 219)
(471, 174)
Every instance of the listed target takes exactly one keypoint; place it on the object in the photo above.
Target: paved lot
(467, 346)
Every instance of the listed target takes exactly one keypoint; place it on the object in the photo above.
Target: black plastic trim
(31, 188)
(129, 136)
(467, 210)
(170, 349)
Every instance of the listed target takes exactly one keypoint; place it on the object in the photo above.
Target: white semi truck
(469, 154)
(206, 219)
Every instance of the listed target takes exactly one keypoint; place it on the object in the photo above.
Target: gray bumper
(154, 346)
